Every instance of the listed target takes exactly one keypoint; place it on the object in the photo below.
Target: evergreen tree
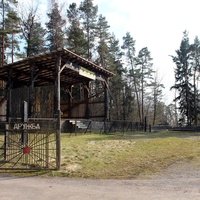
(129, 49)
(103, 37)
(12, 27)
(145, 74)
(9, 26)
(117, 83)
(76, 40)
(157, 96)
(55, 32)
(195, 72)
(89, 18)
(183, 75)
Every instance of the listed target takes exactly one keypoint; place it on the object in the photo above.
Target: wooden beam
(106, 100)
(9, 96)
(86, 98)
(70, 97)
(71, 66)
(31, 91)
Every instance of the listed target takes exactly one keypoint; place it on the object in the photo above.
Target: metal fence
(82, 125)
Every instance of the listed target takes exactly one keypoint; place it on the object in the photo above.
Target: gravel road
(178, 182)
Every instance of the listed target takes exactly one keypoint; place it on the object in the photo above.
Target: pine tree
(157, 95)
(55, 32)
(89, 18)
(9, 26)
(129, 49)
(183, 75)
(12, 27)
(195, 72)
(117, 83)
(103, 37)
(145, 73)
(76, 40)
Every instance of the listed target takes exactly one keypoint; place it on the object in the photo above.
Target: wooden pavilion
(56, 85)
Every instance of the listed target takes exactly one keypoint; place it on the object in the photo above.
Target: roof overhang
(42, 68)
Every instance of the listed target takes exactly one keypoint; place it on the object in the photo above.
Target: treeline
(135, 90)
(187, 74)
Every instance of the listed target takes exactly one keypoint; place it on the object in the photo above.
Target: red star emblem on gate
(26, 150)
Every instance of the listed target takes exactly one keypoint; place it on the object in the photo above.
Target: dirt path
(179, 182)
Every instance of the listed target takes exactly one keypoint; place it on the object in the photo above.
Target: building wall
(43, 101)
(78, 105)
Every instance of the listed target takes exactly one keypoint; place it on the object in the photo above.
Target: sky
(156, 24)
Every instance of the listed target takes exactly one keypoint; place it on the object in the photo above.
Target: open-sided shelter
(56, 85)
(59, 81)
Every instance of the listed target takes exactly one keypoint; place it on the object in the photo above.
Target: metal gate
(28, 145)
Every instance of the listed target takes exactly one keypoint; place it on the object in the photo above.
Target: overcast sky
(156, 24)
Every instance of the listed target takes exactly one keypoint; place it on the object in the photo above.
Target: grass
(124, 155)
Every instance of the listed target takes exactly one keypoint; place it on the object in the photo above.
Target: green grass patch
(126, 156)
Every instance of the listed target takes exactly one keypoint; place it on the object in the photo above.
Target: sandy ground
(178, 182)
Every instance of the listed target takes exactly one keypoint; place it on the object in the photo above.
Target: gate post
(8, 110)
(24, 135)
(58, 132)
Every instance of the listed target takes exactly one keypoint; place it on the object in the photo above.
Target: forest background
(136, 90)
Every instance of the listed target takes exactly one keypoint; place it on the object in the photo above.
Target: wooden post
(69, 101)
(145, 124)
(24, 135)
(107, 107)
(86, 98)
(58, 132)
(106, 104)
(31, 92)
(9, 96)
(8, 111)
